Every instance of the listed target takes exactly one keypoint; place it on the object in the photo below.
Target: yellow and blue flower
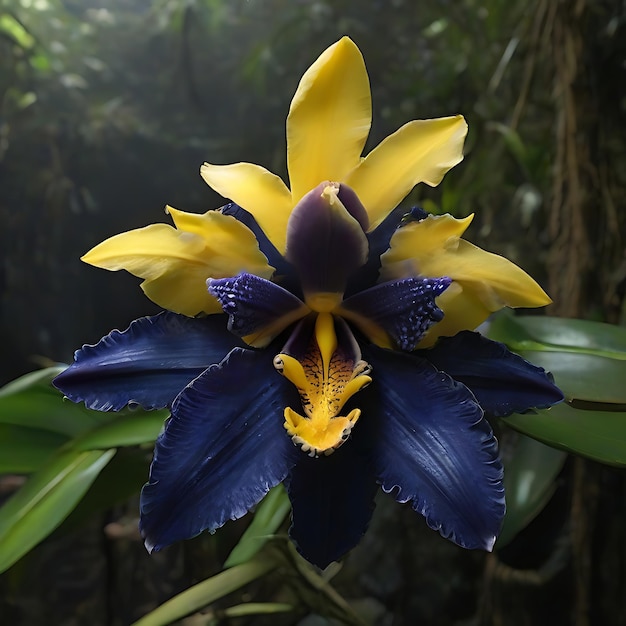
(319, 336)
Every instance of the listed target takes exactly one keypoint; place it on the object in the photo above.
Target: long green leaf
(9, 25)
(32, 401)
(130, 429)
(47, 498)
(268, 517)
(530, 470)
(206, 592)
(585, 377)
(588, 359)
(256, 608)
(530, 332)
(121, 479)
(598, 435)
(23, 450)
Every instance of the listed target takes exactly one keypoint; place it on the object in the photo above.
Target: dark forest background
(107, 111)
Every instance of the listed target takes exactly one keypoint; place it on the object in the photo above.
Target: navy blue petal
(433, 448)
(404, 308)
(332, 500)
(222, 450)
(253, 304)
(148, 363)
(502, 382)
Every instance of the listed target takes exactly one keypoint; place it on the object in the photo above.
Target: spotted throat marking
(326, 376)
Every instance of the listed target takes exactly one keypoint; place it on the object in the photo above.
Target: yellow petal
(180, 290)
(258, 191)
(489, 282)
(496, 280)
(418, 241)
(329, 119)
(177, 263)
(420, 151)
(463, 310)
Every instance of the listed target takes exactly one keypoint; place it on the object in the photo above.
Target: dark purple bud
(326, 240)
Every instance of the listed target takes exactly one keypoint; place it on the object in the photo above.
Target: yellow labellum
(325, 382)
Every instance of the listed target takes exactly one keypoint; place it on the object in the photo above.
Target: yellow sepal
(329, 118)
(420, 151)
(483, 282)
(463, 310)
(258, 191)
(175, 263)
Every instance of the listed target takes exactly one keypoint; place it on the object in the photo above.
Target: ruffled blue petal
(147, 364)
(221, 451)
(433, 448)
(253, 304)
(332, 500)
(502, 382)
(404, 308)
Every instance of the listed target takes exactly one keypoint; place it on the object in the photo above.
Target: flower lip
(323, 361)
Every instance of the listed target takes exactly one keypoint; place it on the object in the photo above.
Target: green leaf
(31, 401)
(10, 26)
(529, 482)
(121, 479)
(46, 499)
(256, 608)
(512, 139)
(584, 376)
(532, 332)
(33, 379)
(130, 429)
(588, 359)
(206, 592)
(598, 435)
(268, 517)
(23, 450)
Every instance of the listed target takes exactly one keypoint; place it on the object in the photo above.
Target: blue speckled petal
(404, 308)
(257, 309)
(222, 450)
(502, 382)
(433, 448)
(148, 363)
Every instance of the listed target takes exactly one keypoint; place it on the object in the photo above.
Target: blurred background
(107, 111)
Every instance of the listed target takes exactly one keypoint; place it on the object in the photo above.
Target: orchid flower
(319, 336)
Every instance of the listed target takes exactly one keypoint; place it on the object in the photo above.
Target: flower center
(322, 302)
(325, 366)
